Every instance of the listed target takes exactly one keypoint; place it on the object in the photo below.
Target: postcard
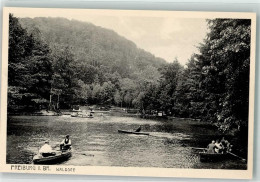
(128, 92)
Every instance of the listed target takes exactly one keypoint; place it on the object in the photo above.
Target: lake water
(96, 141)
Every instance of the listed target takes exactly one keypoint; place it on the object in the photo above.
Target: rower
(229, 146)
(66, 143)
(226, 145)
(219, 147)
(46, 150)
(211, 147)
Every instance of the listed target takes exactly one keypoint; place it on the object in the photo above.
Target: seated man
(229, 146)
(211, 147)
(219, 147)
(66, 143)
(46, 150)
(224, 145)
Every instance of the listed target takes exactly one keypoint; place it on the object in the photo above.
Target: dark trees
(29, 67)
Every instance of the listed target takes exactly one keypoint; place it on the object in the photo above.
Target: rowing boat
(215, 157)
(81, 115)
(132, 132)
(212, 157)
(60, 157)
(85, 116)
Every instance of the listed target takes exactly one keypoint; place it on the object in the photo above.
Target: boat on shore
(60, 157)
(132, 132)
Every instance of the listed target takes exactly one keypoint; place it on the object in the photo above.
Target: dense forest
(56, 63)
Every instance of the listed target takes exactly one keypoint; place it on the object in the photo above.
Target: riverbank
(36, 113)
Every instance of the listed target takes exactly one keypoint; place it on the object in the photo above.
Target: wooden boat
(212, 157)
(86, 116)
(209, 157)
(132, 132)
(215, 157)
(74, 115)
(81, 115)
(76, 110)
(56, 159)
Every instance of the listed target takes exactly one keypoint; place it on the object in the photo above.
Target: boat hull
(132, 132)
(81, 116)
(58, 158)
(215, 157)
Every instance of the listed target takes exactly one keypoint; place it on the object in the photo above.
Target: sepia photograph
(128, 90)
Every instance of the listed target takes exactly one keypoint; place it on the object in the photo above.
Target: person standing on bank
(66, 143)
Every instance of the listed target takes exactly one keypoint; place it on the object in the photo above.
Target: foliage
(215, 84)
(227, 75)
(29, 66)
(79, 63)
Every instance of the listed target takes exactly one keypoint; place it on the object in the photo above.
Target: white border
(134, 171)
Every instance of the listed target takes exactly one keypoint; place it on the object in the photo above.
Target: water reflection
(96, 141)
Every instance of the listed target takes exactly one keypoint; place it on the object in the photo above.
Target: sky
(165, 37)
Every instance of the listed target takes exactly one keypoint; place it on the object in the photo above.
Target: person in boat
(226, 145)
(229, 146)
(223, 140)
(138, 129)
(211, 147)
(66, 143)
(219, 147)
(46, 150)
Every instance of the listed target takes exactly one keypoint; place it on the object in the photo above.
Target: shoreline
(112, 113)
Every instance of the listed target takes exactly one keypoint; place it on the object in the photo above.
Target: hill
(58, 63)
(93, 45)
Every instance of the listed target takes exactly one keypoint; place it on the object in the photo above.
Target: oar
(237, 156)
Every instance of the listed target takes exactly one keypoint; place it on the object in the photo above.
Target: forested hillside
(93, 45)
(57, 63)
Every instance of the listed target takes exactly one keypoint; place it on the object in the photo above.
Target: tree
(65, 78)
(83, 93)
(118, 98)
(225, 56)
(107, 93)
(96, 93)
(168, 84)
(29, 67)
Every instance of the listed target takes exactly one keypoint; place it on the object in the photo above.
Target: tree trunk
(58, 102)
(50, 105)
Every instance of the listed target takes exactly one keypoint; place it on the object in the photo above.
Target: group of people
(219, 146)
(46, 150)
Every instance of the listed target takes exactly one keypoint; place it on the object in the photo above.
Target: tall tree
(29, 66)
(226, 58)
(171, 75)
